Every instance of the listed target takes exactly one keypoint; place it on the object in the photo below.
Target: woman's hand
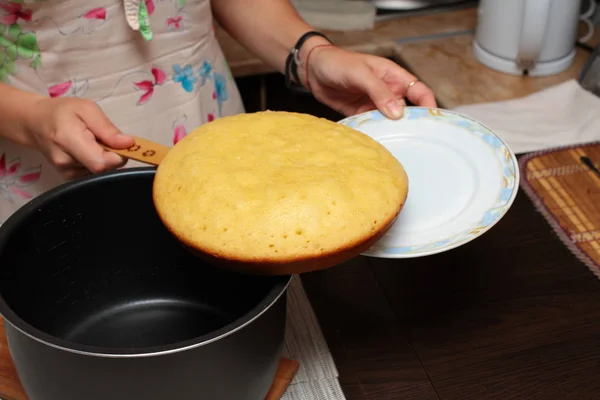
(67, 131)
(352, 83)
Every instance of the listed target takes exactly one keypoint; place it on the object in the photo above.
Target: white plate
(462, 179)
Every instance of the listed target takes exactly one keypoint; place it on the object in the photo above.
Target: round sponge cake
(279, 192)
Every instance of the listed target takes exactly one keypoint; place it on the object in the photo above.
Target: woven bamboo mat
(567, 192)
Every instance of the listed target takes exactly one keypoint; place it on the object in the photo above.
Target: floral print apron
(153, 66)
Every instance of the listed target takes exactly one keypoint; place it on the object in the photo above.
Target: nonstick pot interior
(90, 267)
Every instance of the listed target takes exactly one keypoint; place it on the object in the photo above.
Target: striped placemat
(567, 193)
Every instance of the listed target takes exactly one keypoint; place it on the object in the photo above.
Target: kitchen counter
(380, 41)
(449, 67)
(436, 48)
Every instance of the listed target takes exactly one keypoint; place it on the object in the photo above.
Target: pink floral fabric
(159, 88)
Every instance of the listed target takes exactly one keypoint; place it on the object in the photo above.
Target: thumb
(382, 96)
(103, 129)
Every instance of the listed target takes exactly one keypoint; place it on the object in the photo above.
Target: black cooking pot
(101, 302)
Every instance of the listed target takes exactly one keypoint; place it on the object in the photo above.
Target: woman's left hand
(351, 83)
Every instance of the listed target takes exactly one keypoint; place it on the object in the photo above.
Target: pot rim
(10, 317)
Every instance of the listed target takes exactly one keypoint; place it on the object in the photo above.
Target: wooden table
(512, 315)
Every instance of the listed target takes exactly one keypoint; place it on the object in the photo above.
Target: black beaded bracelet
(291, 62)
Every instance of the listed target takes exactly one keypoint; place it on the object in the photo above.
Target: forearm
(267, 28)
(13, 108)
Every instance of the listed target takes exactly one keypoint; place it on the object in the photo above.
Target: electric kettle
(533, 37)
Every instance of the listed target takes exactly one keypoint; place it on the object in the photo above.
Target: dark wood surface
(511, 315)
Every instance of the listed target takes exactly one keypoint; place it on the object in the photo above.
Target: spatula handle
(10, 385)
(143, 150)
(284, 376)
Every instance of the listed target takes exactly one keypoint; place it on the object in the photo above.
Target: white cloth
(562, 115)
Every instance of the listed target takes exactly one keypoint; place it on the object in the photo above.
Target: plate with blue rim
(463, 178)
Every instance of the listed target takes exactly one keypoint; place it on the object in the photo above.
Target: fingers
(76, 173)
(381, 95)
(403, 82)
(102, 128)
(70, 168)
(420, 95)
(113, 160)
(67, 131)
(370, 106)
(81, 144)
(99, 127)
(66, 165)
(386, 83)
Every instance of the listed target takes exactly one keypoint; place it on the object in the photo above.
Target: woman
(74, 73)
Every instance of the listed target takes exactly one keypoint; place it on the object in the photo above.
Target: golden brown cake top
(277, 186)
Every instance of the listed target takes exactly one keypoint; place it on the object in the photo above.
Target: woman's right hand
(67, 131)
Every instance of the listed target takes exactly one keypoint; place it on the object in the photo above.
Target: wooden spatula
(143, 150)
